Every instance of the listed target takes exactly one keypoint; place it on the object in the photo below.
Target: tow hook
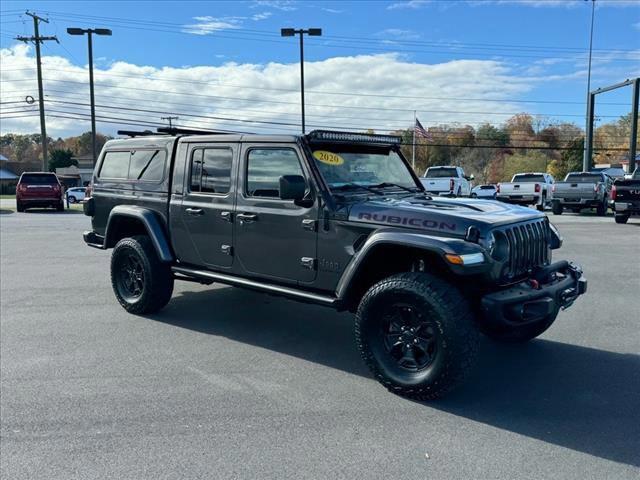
(534, 284)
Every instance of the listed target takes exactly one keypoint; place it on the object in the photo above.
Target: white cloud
(206, 24)
(331, 10)
(413, 4)
(266, 92)
(261, 16)
(399, 34)
(284, 5)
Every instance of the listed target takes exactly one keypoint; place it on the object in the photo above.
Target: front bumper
(548, 290)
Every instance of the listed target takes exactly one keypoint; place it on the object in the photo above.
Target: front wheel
(417, 335)
(140, 281)
(72, 199)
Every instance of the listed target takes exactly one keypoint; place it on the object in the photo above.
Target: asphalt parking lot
(227, 384)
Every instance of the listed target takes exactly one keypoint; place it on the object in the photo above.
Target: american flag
(420, 130)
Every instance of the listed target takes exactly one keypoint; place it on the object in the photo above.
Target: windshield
(342, 165)
(529, 177)
(583, 178)
(441, 173)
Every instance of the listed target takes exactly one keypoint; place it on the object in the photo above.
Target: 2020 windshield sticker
(329, 158)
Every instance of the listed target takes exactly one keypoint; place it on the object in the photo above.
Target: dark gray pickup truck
(581, 190)
(625, 194)
(337, 219)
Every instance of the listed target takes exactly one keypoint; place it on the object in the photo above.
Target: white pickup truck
(448, 181)
(527, 189)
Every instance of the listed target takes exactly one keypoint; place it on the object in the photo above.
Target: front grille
(528, 247)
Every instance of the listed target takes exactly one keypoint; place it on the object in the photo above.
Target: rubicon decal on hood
(409, 221)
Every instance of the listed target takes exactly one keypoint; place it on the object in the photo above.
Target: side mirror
(471, 177)
(292, 187)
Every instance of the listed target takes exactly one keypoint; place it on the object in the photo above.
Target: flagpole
(413, 157)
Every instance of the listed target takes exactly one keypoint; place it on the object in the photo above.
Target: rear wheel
(557, 208)
(60, 207)
(622, 218)
(601, 209)
(417, 335)
(140, 281)
(542, 204)
(19, 207)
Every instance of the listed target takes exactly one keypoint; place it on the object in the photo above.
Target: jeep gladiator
(337, 219)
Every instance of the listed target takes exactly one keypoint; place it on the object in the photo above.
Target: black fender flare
(428, 243)
(151, 222)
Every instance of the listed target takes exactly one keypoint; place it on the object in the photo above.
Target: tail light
(56, 187)
(595, 187)
(537, 188)
(87, 192)
(451, 182)
(498, 188)
(553, 189)
(614, 192)
(22, 187)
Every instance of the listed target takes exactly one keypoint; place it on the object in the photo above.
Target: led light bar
(332, 136)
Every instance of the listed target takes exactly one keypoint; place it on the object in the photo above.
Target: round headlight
(497, 246)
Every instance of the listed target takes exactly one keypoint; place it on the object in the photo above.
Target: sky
(224, 65)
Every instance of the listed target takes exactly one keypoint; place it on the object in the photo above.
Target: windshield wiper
(388, 184)
(351, 185)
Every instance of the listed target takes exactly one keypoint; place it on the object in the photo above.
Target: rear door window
(211, 170)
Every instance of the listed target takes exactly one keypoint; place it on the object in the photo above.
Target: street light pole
(90, 32)
(588, 153)
(290, 32)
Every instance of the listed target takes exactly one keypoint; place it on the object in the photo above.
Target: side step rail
(264, 287)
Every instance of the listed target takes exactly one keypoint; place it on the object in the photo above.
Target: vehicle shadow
(580, 398)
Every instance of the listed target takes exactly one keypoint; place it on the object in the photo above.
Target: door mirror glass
(292, 187)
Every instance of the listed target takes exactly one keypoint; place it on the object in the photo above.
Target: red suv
(39, 189)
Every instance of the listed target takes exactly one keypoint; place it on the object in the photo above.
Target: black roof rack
(136, 133)
(189, 131)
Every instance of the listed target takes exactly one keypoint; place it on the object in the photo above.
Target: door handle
(247, 217)
(195, 211)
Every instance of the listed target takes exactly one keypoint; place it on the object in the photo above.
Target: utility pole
(37, 40)
(292, 32)
(90, 32)
(169, 119)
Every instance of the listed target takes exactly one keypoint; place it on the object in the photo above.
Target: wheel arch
(389, 253)
(127, 221)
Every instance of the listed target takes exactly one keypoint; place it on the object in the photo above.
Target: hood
(448, 216)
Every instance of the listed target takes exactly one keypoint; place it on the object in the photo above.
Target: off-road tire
(455, 333)
(601, 209)
(557, 208)
(520, 334)
(157, 279)
(621, 218)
